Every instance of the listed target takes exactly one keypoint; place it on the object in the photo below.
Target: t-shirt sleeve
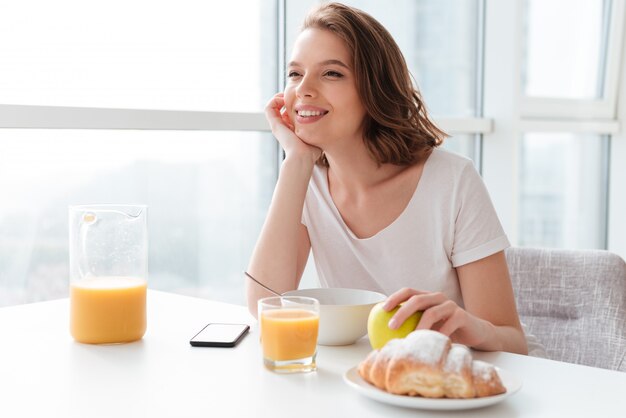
(477, 229)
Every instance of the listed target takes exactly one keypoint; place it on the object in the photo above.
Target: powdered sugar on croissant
(426, 363)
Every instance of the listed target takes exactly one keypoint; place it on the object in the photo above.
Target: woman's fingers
(276, 114)
(284, 115)
(438, 314)
(419, 301)
(454, 321)
(272, 110)
(400, 296)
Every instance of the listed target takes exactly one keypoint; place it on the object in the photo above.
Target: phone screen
(220, 335)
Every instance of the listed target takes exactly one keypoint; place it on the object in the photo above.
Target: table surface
(43, 372)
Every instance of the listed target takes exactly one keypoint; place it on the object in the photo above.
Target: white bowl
(343, 312)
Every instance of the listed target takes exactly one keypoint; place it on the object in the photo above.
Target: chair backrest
(574, 302)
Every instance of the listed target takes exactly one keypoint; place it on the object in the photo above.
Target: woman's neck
(357, 171)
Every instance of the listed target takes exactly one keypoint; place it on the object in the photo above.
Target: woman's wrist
(490, 338)
(501, 338)
(302, 161)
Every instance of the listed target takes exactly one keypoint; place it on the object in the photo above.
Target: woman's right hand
(283, 130)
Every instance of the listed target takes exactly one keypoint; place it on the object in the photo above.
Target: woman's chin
(307, 138)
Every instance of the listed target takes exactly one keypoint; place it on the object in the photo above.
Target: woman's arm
(488, 295)
(489, 321)
(283, 246)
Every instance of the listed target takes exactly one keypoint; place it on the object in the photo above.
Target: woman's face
(321, 96)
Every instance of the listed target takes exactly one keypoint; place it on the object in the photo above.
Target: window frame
(511, 111)
(61, 117)
(602, 109)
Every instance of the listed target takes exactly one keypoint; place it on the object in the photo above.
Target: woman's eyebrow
(327, 62)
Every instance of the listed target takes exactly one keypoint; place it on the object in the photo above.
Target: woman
(364, 186)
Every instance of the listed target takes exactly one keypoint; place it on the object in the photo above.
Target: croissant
(427, 364)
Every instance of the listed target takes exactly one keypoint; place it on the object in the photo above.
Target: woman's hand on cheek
(283, 130)
(276, 116)
(439, 314)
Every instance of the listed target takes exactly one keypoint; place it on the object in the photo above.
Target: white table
(43, 372)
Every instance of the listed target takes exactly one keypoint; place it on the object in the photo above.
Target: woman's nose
(306, 88)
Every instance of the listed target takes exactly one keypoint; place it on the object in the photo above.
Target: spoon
(261, 284)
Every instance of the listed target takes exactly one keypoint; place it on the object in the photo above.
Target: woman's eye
(333, 74)
(292, 74)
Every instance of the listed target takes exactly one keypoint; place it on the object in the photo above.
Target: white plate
(510, 382)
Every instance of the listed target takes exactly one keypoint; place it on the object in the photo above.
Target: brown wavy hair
(397, 129)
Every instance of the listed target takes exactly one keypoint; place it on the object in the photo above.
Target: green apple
(378, 329)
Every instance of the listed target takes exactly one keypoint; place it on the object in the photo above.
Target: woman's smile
(309, 114)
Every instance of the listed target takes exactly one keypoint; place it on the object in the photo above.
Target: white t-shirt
(449, 221)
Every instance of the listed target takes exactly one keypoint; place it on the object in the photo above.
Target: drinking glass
(108, 273)
(289, 328)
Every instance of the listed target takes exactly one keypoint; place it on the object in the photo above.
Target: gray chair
(574, 302)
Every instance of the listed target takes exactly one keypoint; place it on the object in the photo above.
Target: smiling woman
(364, 186)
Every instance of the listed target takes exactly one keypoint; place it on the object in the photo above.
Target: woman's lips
(309, 119)
(309, 114)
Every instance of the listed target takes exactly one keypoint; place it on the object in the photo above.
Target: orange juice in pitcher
(108, 309)
(108, 273)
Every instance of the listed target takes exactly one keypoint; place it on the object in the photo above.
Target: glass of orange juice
(289, 327)
(108, 273)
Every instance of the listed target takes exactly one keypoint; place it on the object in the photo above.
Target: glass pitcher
(108, 272)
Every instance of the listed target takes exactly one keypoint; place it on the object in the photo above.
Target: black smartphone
(220, 335)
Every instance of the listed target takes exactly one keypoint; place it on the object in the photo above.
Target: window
(551, 85)
(563, 190)
(574, 31)
(184, 54)
(571, 58)
(207, 190)
(567, 73)
(206, 194)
